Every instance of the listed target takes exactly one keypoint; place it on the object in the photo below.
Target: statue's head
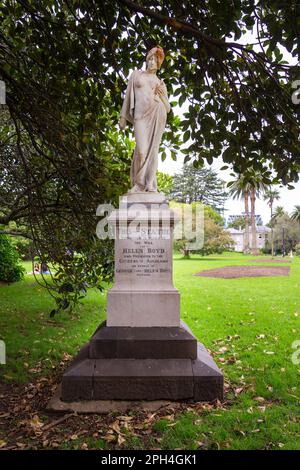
(155, 57)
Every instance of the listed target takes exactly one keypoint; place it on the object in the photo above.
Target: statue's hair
(160, 55)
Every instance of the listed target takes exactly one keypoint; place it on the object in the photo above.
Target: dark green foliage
(71, 59)
(10, 269)
(199, 185)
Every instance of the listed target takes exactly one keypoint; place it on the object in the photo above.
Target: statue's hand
(122, 123)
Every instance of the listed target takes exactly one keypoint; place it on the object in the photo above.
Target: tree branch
(16, 233)
(179, 25)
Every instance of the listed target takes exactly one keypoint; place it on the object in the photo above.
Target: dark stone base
(111, 342)
(142, 364)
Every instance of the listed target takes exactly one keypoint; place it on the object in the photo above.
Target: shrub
(297, 249)
(24, 247)
(10, 269)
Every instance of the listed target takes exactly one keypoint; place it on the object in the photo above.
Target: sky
(288, 198)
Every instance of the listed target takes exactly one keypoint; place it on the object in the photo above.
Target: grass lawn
(248, 324)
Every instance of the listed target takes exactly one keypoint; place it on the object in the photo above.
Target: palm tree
(249, 184)
(279, 212)
(240, 190)
(296, 214)
(257, 186)
(270, 196)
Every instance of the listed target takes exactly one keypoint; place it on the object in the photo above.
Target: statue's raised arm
(146, 106)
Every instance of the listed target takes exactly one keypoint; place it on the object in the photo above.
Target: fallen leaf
(116, 427)
(259, 399)
(231, 360)
(201, 444)
(36, 423)
(125, 418)
(109, 437)
(168, 417)
(121, 439)
(262, 408)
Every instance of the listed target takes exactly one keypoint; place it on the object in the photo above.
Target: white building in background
(238, 237)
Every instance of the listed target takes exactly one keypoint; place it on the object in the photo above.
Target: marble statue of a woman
(146, 106)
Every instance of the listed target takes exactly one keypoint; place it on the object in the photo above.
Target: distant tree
(296, 214)
(240, 189)
(297, 249)
(209, 212)
(279, 212)
(216, 239)
(270, 196)
(249, 185)
(199, 185)
(257, 186)
(239, 222)
(286, 233)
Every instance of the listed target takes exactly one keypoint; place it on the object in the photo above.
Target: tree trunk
(246, 239)
(254, 249)
(186, 252)
(272, 230)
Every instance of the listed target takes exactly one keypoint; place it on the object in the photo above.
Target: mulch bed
(271, 260)
(235, 272)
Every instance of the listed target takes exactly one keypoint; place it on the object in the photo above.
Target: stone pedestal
(143, 351)
(143, 294)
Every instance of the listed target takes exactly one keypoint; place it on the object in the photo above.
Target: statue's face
(152, 63)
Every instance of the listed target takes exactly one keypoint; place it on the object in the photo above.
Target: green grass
(249, 324)
(34, 341)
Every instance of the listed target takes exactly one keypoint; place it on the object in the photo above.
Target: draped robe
(147, 112)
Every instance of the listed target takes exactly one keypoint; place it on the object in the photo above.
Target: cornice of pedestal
(143, 215)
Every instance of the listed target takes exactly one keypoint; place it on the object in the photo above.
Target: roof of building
(259, 229)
